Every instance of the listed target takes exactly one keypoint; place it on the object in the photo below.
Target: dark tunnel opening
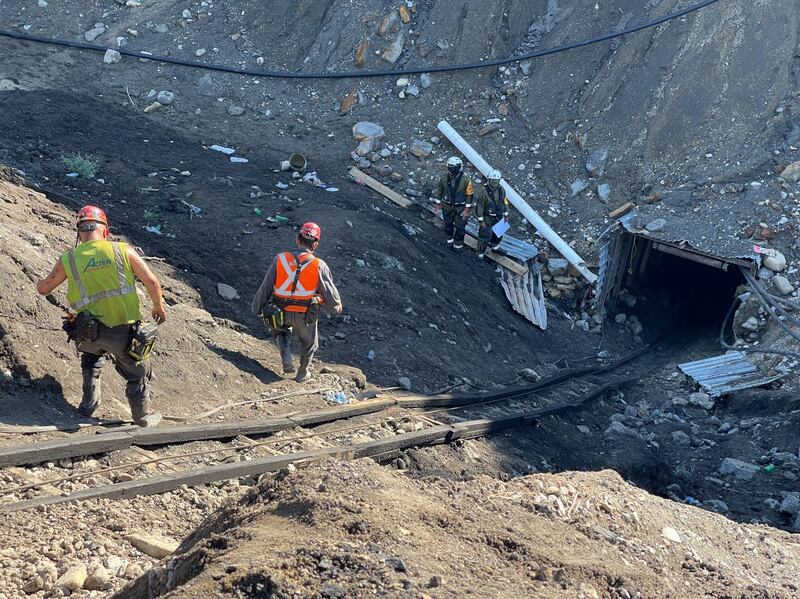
(673, 289)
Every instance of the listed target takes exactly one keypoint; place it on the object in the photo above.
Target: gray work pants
(114, 342)
(306, 334)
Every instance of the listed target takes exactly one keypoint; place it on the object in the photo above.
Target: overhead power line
(360, 74)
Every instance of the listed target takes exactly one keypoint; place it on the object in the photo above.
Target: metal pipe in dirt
(519, 203)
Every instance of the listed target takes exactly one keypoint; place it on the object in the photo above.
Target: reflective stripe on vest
(85, 299)
(304, 282)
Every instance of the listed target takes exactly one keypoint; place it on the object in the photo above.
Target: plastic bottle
(336, 397)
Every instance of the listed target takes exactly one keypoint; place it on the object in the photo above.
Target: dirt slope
(357, 530)
(202, 362)
(445, 303)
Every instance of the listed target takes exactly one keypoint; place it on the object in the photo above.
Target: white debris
(223, 149)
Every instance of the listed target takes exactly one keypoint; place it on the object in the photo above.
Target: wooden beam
(621, 211)
(429, 436)
(35, 453)
(361, 177)
(168, 482)
(503, 261)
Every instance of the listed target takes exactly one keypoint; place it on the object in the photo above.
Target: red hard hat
(310, 230)
(92, 213)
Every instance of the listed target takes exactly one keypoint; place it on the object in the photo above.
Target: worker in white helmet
(491, 206)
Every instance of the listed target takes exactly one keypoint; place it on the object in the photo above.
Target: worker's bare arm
(57, 276)
(151, 283)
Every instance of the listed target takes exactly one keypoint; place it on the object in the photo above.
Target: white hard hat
(454, 161)
(494, 175)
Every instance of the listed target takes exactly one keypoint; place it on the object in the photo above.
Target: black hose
(769, 304)
(361, 74)
(726, 345)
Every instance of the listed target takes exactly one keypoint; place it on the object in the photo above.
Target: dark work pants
(486, 236)
(453, 224)
(307, 335)
(114, 342)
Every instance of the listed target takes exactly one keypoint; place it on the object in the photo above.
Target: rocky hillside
(357, 529)
(706, 99)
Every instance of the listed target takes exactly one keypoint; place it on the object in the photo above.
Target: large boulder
(739, 469)
(366, 130)
(776, 263)
(792, 172)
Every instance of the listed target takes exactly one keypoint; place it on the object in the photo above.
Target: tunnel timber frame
(625, 255)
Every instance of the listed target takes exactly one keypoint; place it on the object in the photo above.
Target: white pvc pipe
(519, 203)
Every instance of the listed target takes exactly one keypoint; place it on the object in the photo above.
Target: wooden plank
(35, 453)
(503, 261)
(429, 436)
(168, 482)
(621, 210)
(364, 178)
(15, 429)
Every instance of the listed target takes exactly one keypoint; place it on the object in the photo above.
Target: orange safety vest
(296, 284)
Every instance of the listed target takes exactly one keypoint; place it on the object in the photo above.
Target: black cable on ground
(361, 74)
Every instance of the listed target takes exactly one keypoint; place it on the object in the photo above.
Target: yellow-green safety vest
(101, 281)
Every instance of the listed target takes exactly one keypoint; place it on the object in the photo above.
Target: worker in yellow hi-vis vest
(102, 291)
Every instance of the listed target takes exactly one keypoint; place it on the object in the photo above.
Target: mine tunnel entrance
(667, 285)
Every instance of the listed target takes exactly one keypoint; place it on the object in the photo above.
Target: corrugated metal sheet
(731, 371)
(525, 294)
(510, 246)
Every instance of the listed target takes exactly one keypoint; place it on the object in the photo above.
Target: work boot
(149, 420)
(89, 408)
(303, 373)
(143, 414)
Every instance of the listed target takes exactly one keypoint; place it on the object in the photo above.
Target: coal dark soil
(424, 312)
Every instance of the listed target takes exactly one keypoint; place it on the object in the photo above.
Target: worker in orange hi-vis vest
(294, 289)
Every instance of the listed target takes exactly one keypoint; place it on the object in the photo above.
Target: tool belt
(312, 314)
(274, 316)
(143, 338)
(86, 327)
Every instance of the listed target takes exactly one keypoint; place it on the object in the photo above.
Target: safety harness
(454, 195)
(495, 206)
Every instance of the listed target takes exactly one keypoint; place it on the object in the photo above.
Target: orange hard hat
(310, 230)
(92, 214)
